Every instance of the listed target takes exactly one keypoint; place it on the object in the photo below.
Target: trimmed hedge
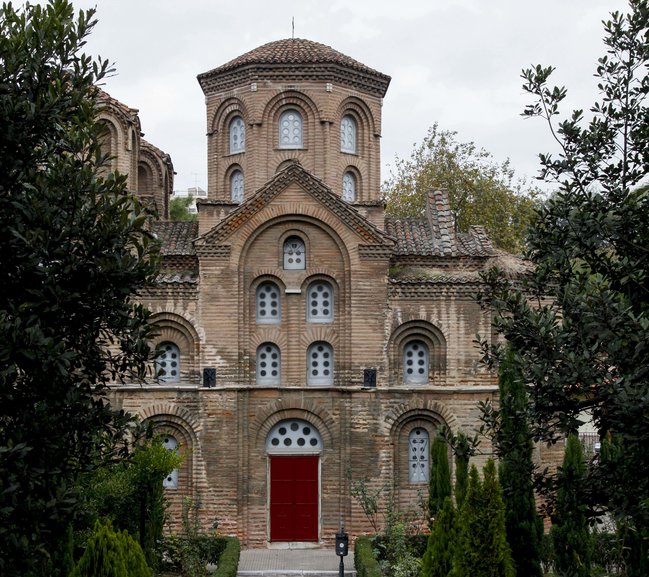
(364, 559)
(229, 559)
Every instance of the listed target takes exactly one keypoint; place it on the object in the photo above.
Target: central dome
(311, 58)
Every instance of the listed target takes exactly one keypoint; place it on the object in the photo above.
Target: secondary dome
(291, 60)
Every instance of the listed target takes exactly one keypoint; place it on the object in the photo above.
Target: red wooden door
(293, 498)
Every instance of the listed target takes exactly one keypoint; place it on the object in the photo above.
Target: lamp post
(342, 548)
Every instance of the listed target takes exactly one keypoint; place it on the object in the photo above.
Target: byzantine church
(305, 339)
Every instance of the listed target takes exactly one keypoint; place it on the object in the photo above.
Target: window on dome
(320, 365)
(418, 464)
(415, 362)
(290, 129)
(348, 134)
(320, 302)
(167, 363)
(236, 186)
(349, 187)
(294, 254)
(237, 135)
(268, 304)
(268, 364)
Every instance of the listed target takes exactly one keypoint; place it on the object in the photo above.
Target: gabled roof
(176, 237)
(295, 173)
(294, 59)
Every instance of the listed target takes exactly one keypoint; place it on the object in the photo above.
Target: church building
(305, 339)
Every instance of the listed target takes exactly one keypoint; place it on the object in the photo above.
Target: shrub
(364, 560)
(228, 561)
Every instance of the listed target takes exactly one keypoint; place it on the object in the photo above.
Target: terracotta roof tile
(177, 237)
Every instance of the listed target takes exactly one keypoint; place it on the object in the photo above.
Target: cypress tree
(440, 477)
(481, 548)
(438, 559)
(570, 534)
(514, 446)
(463, 451)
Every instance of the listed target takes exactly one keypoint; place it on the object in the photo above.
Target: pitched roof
(295, 58)
(315, 187)
(176, 237)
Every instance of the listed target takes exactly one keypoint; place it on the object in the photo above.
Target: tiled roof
(293, 59)
(415, 238)
(294, 51)
(176, 237)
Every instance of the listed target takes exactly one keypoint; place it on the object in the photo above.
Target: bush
(228, 562)
(364, 560)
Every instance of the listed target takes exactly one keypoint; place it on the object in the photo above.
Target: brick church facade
(304, 336)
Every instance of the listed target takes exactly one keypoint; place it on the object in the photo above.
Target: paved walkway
(293, 563)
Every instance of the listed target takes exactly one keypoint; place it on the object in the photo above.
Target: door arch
(293, 447)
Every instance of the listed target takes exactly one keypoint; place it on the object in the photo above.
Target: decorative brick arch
(175, 328)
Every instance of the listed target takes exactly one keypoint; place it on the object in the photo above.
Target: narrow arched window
(320, 364)
(268, 304)
(268, 364)
(236, 186)
(167, 363)
(349, 187)
(237, 135)
(294, 253)
(415, 362)
(171, 480)
(320, 302)
(290, 129)
(348, 134)
(418, 464)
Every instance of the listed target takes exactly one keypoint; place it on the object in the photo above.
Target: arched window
(349, 187)
(290, 129)
(320, 364)
(167, 363)
(294, 436)
(237, 135)
(268, 364)
(294, 253)
(269, 309)
(418, 463)
(348, 134)
(171, 481)
(320, 302)
(415, 362)
(236, 186)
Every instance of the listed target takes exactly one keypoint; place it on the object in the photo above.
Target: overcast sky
(455, 62)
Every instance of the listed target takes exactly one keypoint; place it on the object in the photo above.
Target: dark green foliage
(510, 432)
(440, 476)
(579, 319)
(179, 208)
(111, 554)
(129, 493)
(438, 559)
(74, 250)
(570, 531)
(364, 560)
(228, 561)
(481, 548)
(463, 448)
(481, 190)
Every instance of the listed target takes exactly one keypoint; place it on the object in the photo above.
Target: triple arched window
(294, 253)
(349, 186)
(291, 129)
(167, 363)
(320, 302)
(268, 364)
(237, 135)
(320, 364)
(268, 304)
(236, 186)
(418, 460)
(348, 134)
(416, 360)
